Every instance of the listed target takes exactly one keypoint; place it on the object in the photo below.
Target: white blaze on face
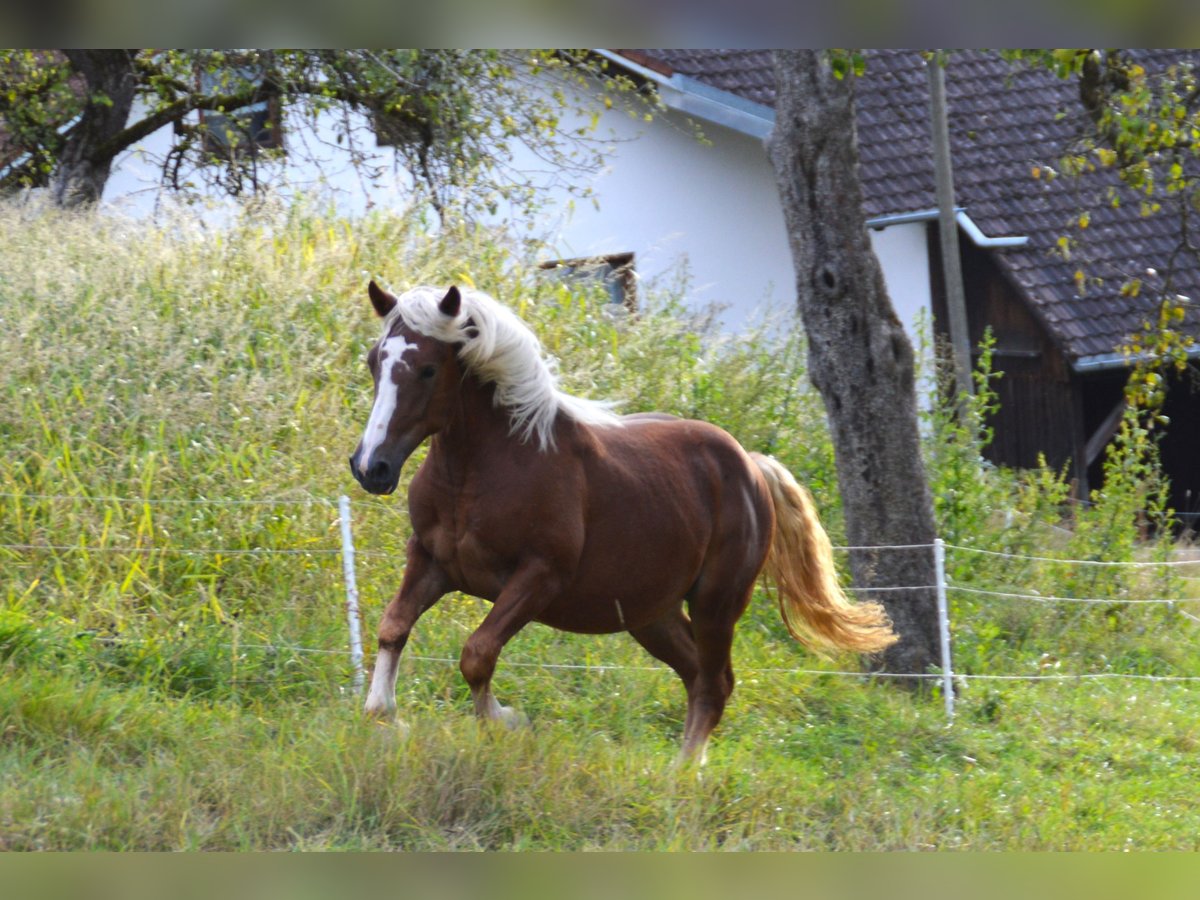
(391, 353)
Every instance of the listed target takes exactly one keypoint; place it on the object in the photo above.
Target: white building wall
(714, 206)
(903, 252)
(675, 201)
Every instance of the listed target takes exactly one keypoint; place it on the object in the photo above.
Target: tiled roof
(1005, 120)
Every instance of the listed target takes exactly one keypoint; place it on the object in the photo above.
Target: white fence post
(939, 562)
(356, 650)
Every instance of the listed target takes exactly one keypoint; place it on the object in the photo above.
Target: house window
(615, 271)
(245, 130)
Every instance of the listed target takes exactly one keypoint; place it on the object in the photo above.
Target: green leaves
(453, 117)
(36, 101)
(847, 62)
(1159, 347)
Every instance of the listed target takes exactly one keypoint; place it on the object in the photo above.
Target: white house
(667, 201)
(668, 197)
(673, 201)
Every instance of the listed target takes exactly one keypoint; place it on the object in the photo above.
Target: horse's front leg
(528, 592)
(424, 583)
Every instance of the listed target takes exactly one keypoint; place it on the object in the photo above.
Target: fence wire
(1076, 562)
(180, 551)
(1051, 598)
(31, 547)
(177, 501)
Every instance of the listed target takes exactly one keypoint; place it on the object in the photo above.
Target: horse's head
(416, 380)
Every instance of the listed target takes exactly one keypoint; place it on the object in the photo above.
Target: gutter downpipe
(638, 69)
(978, 238)
(1101, 361)
(695, 98)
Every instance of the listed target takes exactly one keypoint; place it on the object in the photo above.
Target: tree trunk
(860, 359)
(110, 83)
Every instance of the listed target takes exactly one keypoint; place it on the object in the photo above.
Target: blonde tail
(811, 602)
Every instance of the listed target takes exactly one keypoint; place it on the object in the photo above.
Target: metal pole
(939, 562)
(356, 650)
(943, 176)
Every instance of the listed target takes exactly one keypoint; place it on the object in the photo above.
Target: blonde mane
(499, 348)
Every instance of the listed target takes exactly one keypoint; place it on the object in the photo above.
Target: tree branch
(177, 110)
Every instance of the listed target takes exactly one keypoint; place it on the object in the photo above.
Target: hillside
(176, 408)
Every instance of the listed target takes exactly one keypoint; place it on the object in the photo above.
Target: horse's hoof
(692, 760)
(512, 719)
(383, 714)
(385, 719)
(400, 728)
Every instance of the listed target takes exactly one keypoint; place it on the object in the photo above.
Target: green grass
(170, 680)
(799, 764)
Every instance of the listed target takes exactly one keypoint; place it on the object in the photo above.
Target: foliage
(960, 433)
(454, 117)
(36, 98)
(156, 694)
(847, 62)
(1145, 124)
(1005, 527)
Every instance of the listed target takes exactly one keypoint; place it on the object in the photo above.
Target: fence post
(356, 650)
(939, 562)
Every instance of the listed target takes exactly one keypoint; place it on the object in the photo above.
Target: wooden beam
(1096, 443)
(956, 305)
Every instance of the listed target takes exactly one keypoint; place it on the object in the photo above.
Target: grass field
(176, 408)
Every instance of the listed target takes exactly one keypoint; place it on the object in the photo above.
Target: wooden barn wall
(1180, 446)
(1047, 409)
(1039, 410)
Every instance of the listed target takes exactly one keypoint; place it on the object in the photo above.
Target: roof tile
(1004, 120)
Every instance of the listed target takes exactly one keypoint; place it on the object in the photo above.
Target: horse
(557, 510)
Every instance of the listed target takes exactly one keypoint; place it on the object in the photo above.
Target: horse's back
(698, 448)
(665, 497)
(722, 482)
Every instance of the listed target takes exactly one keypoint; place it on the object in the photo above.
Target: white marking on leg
(381, 699)
(391, 355)
(488, 708)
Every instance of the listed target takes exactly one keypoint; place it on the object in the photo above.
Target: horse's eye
(428, 371)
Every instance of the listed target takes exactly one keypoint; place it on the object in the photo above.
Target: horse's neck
(476, 428)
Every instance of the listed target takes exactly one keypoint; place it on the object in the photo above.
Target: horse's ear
(451, 303)
(383, 302)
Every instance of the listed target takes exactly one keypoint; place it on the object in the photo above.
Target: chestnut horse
(559, 511)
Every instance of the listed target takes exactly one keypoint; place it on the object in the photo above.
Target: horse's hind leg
(670, 640)
(714, 615)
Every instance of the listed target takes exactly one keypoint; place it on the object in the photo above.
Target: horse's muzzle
(382, 475)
